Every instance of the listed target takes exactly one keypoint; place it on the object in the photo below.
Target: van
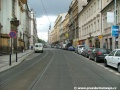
(38, 47)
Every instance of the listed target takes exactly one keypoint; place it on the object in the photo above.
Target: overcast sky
(53, 9)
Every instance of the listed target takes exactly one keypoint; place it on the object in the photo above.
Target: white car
(80, 50)
(38, 47)
(113, 59)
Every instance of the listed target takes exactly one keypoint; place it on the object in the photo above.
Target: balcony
(24, 1)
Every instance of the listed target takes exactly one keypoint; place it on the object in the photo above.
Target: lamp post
(115, 21)
(0, 33)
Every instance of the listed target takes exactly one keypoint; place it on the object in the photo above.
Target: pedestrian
(31, 47)
(22, 49)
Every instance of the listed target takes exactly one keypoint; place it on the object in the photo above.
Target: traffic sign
(12, 34)
(115, 31)
(100, 36)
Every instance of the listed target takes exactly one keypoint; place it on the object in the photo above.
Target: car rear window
(103, 50)
(38, 45)
(81, 46)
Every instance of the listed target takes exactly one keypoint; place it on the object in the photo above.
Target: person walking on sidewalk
(22, 49)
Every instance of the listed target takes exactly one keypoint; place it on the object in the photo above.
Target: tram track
(28, 68)
(41, 74)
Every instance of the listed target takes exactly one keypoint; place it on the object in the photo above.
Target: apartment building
(109, 41)
(64, 29)
(73, 22)
(59, 27)
(90, 24)
(34, 36)
(26, 26)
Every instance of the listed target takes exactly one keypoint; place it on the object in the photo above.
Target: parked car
(80, 50)
(71, 48)
(86, 52)
(67, 46)
(98, 54)
(78, 47)
(113, 59)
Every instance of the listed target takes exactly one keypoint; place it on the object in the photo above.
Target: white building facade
(14, 16)
(90, 24)
(34, 36)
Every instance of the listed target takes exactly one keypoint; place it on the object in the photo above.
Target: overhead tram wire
(46, 14)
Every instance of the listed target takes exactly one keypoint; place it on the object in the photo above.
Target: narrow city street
(57, 69)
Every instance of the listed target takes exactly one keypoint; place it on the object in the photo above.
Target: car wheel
(119, 68)
(105, 63)
(95, 59)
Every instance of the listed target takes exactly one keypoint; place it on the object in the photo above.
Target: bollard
(10, 60)
(16, 56)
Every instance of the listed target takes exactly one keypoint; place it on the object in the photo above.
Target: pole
(115, 13)
(115, 21)
(10, 53)
(75, 36)
(16, 49)
(10, 60)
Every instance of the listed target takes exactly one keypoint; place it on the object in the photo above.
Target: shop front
(81, 42)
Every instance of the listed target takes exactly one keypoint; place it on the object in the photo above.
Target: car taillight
(89, 51)
(99, 53)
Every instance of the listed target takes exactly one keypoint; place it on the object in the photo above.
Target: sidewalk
(4, 60)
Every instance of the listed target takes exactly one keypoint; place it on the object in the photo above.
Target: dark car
(71, 48)
(98, 54)
(86, 52)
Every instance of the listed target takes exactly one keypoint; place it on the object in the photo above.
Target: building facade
(73, 22)
(14, 16)
(34, 36)
(11, 15)
(90, 24)
(109, 41)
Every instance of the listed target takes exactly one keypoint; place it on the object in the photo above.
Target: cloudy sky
(46, 12)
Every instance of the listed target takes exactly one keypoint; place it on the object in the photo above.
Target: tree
(41, 41)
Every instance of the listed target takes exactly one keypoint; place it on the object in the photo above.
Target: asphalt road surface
(58, 70)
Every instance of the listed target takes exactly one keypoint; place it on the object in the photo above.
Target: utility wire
(46, 13)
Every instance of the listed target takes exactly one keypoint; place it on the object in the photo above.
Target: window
(112, 53)
(94, 7)
(98, 25)
(117, 53)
